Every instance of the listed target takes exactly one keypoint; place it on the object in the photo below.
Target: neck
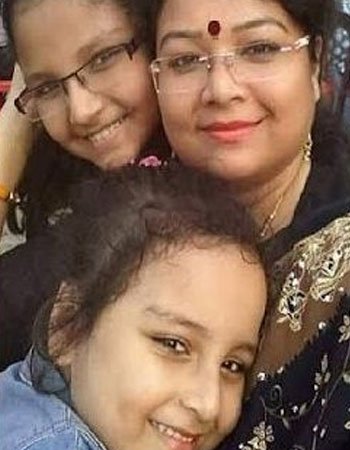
(277, 197)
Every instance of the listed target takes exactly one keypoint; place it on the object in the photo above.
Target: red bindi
(214, 28)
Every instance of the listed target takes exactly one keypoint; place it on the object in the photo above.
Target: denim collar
(40, 373)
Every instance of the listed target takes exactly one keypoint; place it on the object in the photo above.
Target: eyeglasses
(247, 64)
(106, 69)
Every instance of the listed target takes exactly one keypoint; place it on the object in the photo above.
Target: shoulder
(309, 284)
(31, 420)
(54, 439)
(305, 404)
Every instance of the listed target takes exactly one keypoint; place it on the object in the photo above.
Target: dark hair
(51, 170)
(48, 177)
(124, 220)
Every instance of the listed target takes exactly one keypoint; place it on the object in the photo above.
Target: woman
(131, 354)
(105, 115)
(238, 88)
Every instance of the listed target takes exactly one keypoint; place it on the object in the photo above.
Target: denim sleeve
(67, 439)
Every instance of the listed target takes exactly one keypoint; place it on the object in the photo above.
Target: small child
(148, 343)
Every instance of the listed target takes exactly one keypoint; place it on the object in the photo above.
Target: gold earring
(307, 147)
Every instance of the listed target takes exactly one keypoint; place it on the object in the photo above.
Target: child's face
(164, 367)
(109, 120)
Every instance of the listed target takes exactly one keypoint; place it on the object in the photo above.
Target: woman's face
(239, 125)
(55, 38)
(165, 365)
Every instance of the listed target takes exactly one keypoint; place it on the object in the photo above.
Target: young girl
(87, 83)
(149, 340)
(101, 117)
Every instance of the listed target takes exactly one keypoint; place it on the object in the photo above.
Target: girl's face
(165, 365)
(246, 119)
(106, 126)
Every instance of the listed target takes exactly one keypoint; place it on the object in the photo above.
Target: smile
(106, 132)
(174, 433)
(230, 132)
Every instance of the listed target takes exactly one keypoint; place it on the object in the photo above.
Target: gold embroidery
(309, 283)
(263, 435)
(345, 329)
(276, 405)
(316, 265)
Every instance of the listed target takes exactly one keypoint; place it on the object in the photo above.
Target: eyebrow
(96, 40)
(195, 34)
(246, 347)
(43, 77)
(257, 23)
(180, 34)
(176, 318)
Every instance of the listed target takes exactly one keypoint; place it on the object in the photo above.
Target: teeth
(105, 132)
(169, 431)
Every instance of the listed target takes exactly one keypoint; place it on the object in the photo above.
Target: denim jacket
(32, 420)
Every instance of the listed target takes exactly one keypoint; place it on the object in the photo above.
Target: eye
(172, 345)
(233, 367)
(106, 58)
(259, 52)
(47, 90)
(185, 63)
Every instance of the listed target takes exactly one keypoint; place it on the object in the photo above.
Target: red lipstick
(230, 131)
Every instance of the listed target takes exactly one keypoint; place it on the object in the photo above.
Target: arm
(15, 142)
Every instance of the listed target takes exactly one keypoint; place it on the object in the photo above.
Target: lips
(230, 131)
(105, 134)
(177, 439)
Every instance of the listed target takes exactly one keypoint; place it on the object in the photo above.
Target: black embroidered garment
(300, 393)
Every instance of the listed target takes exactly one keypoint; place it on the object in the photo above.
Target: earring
(307, 147)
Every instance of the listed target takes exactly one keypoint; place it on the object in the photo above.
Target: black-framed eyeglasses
(103, 70)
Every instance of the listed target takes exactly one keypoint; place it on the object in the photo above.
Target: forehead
(231, 14)
(205, 286)
(65, 26)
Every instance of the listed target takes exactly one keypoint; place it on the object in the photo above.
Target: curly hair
(126, 219)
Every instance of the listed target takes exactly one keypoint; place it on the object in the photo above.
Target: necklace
(271, 217)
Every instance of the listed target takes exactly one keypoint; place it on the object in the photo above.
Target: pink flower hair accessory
(150, 161)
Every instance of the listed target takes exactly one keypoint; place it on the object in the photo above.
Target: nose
(222, 85)
(202, 396)
(83, 104)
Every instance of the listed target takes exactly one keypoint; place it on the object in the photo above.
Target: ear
(63, 325)
(316, 69)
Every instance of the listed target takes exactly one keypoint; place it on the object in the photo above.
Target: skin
(166, 352)
(55, 38)
(15, 133)
(261, 160)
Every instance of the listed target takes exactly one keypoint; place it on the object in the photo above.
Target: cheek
(137, 86)
(231, 410)
(58, 131)
(176, 111)
(141, 98)
(294, 95)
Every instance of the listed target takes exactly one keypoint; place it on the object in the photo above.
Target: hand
(17, 85)
(16, 135)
